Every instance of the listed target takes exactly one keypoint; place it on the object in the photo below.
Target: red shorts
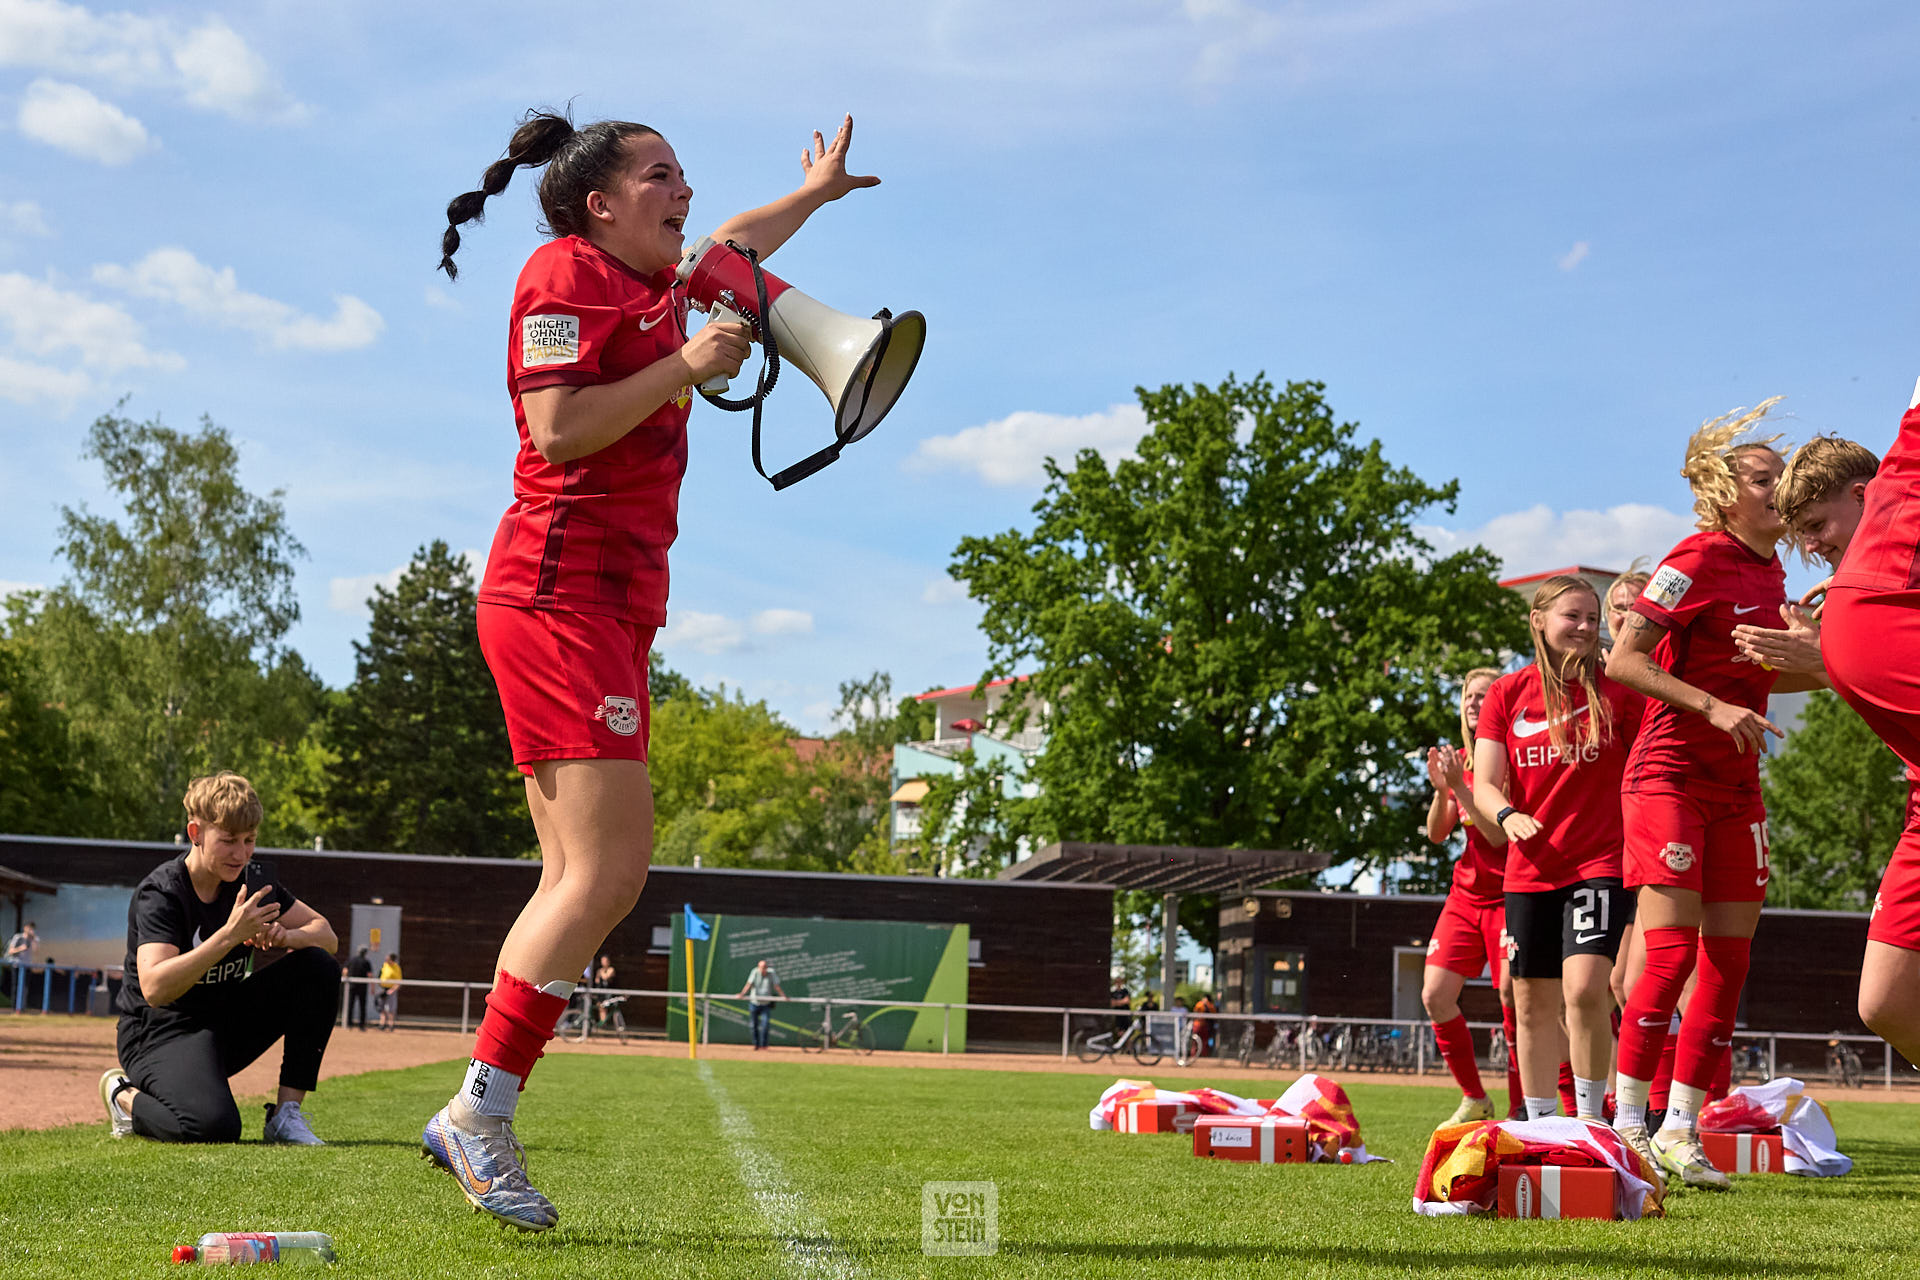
(1717, 848)
(1469, 938)
(1896, 908)
(573, 685)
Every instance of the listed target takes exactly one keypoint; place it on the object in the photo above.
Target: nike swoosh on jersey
(1582, 939)
(1525, 728)
(1745, 608)
(644, 326)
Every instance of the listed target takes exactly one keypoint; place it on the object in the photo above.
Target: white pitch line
(807, 1243)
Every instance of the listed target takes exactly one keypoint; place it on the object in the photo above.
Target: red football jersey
(1477, 875)
(1885, 552)
(1576, 804)
(1707, 586)
(591, 535)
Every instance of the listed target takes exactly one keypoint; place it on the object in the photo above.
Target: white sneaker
(286, 1123)
(1680, 1152)
(117, 1116)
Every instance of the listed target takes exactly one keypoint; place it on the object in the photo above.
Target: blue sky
(1527, 246)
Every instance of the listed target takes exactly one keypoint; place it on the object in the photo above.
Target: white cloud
(710, 633)
(73, 120)
(176, 276)
(1011, 450)
(46, 320)
(354, 595)
(12, 588)
(24, 383)
(943, 591)
(209, 65)
(440, 298)
(1539, 538)
(782, 622)
(23, 218)
(1574, 256)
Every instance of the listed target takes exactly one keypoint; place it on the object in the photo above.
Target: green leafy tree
(1238, 637)
(420, 757)
(163, 644)
(727, 783)
(46, 783)
(1836, 802)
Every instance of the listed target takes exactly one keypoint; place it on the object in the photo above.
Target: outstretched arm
(1631, 663)
(825, 179)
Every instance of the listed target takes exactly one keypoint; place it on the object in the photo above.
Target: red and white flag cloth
(1461, 1172)
(1806, 1129)
(1331, 1125)
(1210, 1102)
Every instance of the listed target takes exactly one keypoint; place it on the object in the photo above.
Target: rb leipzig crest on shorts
(622, 715)
(1678, 857)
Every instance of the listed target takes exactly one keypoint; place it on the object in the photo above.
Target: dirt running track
(50, 1066)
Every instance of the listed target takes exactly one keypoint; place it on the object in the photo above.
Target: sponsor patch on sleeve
(552, 339)
(1668, 587)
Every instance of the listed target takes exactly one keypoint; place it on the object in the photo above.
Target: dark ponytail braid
(579, 161)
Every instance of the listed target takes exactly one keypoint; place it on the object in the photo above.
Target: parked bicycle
(849, 1032)
(1093, 1046)
(1843, 1065)
(613, 1017)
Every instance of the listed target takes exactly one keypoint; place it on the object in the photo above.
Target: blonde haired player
(193, 1009)
(1467, 936)
(1696, 827)
(1548, 758)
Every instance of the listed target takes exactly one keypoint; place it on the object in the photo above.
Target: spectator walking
(194, 1010)
(389, 990)
(20, 949)
(359, 969)
(761, 989)
(604, 978)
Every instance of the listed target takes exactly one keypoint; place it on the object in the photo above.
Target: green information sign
(818, 961)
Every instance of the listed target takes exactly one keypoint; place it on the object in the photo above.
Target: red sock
(1722, 1077)
(1707, 1034)
(1650, 1006)
(1456, 1046)
(1663, 1074)
(519, 1021)
(1569, 1101)
(1516, 1097)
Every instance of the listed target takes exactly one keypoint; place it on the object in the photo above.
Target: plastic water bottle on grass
(233, 1248)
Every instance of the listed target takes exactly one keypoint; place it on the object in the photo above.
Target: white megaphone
(861, 365)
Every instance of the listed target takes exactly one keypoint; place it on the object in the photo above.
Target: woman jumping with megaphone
(601, 371)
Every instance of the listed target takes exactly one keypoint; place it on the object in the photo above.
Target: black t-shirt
(165, 908)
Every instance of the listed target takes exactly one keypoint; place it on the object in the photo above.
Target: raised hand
(825, 165)
(252, 912)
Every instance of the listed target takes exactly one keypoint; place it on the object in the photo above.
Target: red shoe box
(1555, 1191)
(1152, 1117)
(1254, 1139)
(1746, 1152)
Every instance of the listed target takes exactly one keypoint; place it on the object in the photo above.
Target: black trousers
(357, 1005)
(181, 1067)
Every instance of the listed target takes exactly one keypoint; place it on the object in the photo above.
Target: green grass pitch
(657, 1173)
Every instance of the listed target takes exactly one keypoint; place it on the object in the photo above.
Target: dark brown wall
(1039, 943)
(1805, 974)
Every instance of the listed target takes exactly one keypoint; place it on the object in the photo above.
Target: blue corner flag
(696, 929)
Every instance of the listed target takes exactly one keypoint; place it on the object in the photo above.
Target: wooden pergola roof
(1163, 868)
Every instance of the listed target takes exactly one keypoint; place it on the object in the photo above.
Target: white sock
(1626, 1116)
(558, 987)
(1542, 1108)
(487, 1091)
(1589, 1098)
(1683, 1107)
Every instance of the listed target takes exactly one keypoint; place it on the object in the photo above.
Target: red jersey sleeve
(1679, 589)
(563, 324)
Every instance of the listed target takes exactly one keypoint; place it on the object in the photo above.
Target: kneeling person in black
(194, 1010)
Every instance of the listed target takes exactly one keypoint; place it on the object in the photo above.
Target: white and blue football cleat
(491, 1168)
